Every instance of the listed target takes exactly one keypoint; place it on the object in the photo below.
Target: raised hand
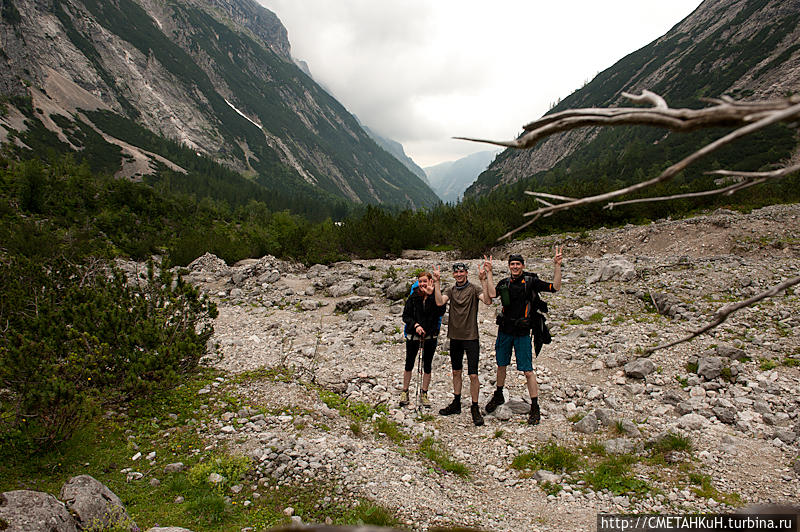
(436, 274)
(481, 272)
(487, 263)
(558, 257)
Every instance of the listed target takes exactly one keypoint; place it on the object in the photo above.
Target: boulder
(630, 428)
(518, 406)
(209, 263)
(587, 425)
(175, 467)
(726, 414)
(731, 352)
(584, 313)
(543, 475)
(639, 368)
(613, 268)
(352, 303)
(605, 416)
(34, 511)
(93, 504)
(709, 367)
(359, 315)
(619, 446)
(692, 422)
(397, 291)
(503, 412)
(343, 288)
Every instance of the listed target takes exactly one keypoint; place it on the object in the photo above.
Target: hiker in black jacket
(520, 297)
(422, 318)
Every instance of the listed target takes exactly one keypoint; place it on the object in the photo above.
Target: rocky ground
(734, 393)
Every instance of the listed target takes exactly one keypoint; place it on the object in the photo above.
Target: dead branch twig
(723, 313)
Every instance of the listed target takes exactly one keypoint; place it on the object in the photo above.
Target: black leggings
(428, 349)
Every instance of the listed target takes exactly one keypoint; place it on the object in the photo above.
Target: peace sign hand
(436, 274)
(558, 257)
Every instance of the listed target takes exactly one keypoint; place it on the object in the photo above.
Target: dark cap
(516, 257)
(460, 267)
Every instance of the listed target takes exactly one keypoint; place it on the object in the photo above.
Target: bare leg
(501, 375)
(457, 382)
(426, 381)
(474, 387)
(406, 379)
(533, 386)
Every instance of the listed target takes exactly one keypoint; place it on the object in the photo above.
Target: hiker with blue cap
(422, 318)
(522, 318)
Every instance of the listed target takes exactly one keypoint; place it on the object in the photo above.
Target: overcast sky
(422, 71)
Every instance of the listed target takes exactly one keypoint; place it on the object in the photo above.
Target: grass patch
(614, 474)
(791, 362)
(671, 442)
(166, 424)
(574, 418)
(355, 410)
(551, 488)
(551, 456)
(433, 451)
(705, 489)
(596, 447)
(390, 429)
(767, 364)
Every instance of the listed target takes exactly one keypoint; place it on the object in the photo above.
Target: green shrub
(231, 468)
(79, 337)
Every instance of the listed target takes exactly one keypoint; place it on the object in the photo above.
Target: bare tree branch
(750, 179)
(727, 113)
(723, 313)
(747, 117)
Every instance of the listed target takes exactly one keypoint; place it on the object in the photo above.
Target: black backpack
(537, 320)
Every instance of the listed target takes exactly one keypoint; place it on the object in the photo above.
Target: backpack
(537, 320)
(411, 292)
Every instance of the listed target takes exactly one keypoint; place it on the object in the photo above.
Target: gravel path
(740, 415)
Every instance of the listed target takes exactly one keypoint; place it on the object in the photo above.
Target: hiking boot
(404, 398)
(424, 400)
(496, 400)
(452, 408)
(535, 416)
(477, 418)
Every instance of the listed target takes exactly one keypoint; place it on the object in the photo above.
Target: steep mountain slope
(450, 179)
(215, 75)
(399, 153)
(747, 49)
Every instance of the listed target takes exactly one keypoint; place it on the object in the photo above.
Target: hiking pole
(419, 375)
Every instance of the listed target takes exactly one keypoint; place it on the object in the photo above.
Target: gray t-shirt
(462, 323)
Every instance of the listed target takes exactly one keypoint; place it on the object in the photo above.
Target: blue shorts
(522, 349)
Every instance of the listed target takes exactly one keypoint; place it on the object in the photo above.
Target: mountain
(398, 152)
(215, 76)
(450, 179)
(747, 49)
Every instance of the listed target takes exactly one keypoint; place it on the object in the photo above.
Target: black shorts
(457, 349)
(428, 349)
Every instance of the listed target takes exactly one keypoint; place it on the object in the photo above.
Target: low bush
(79, 337)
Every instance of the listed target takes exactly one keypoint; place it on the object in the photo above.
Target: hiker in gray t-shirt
(462, 329)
